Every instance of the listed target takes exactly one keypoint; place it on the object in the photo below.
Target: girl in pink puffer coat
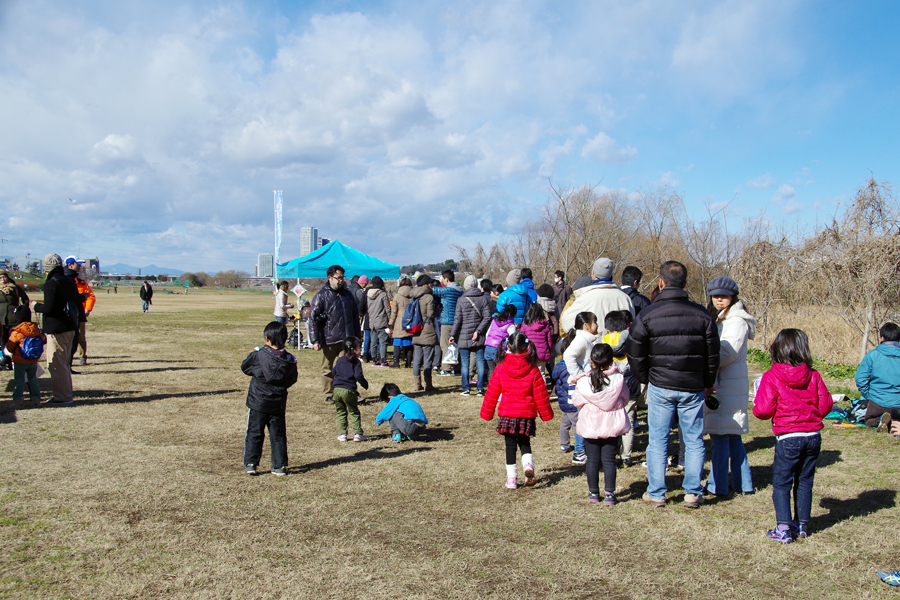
(601, 395)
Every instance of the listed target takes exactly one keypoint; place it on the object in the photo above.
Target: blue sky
(400, 128)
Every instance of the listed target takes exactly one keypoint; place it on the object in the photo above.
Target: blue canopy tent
(316, 263)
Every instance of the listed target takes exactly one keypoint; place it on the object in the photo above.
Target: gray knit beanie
(513, 277)
(603, 268)
(470, 282)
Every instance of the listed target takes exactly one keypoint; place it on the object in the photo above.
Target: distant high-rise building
(322, 242)
(309, 240)
(265, 265)
(256, 270)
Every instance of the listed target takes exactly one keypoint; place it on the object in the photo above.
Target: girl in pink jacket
(537, 327)
(601, 395)
(794, 396)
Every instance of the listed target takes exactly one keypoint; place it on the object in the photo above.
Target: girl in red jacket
(794, 396)
(524, 396)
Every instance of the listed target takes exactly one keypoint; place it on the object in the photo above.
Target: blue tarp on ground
(316, 263)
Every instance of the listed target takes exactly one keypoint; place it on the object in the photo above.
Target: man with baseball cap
(59, 326)
(84, 307)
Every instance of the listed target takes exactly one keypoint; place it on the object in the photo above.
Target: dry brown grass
(137, 492)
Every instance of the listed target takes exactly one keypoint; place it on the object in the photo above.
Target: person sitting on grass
(405, 415)
(273, 370)
(878, 379)
(347, 373)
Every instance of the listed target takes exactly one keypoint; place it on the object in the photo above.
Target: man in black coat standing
(59, 326)
(334, 317)
(673, 346)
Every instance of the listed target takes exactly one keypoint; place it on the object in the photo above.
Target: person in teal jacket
(878, 379)
(520, 293)
(405, 415)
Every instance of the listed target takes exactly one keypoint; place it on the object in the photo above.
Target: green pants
(345, 402)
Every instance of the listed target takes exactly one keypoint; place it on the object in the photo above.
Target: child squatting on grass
(273, 370)
(347, 373)
(794, 396)
(524, 396)
(405, 415)
(601, 395)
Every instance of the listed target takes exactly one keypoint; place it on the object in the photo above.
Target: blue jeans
(145, 305)
(794, 469)
(662, 405)
(479, 365)
(282, 320)
(725, 447)
(367, 336)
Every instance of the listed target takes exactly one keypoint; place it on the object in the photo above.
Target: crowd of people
(603, 349)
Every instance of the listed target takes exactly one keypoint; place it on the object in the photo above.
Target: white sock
(527, 460)
(511, 471)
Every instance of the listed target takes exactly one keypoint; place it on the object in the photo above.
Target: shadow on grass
(867, 503)
(8, 416)
(373, 454)
(161, 370)
(92, 359)
(762, 442)
(90, 397)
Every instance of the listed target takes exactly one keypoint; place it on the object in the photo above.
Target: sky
(156, 132)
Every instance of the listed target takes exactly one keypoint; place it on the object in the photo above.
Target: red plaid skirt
(516, 426)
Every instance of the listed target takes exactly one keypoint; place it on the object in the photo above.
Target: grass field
(137, 491)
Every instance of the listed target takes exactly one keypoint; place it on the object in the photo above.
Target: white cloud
(763, 181)
(668, 179)
(785, 192)
(603, 148)
(736, 45)
(793, 207)
(114, 148)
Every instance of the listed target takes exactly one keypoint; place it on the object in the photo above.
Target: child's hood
(276, 366)
(607, 398)
(28, 329)
(616, 341)
(516, 365)
(373, 293)
(794, 377)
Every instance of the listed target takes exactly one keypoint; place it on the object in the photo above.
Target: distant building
(139, 272)
(322, 242)
(256, 270)
(265, 265)
(309, 240)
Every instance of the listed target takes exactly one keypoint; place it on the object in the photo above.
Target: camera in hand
(712, 403)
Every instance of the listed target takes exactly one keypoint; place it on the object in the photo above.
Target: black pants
(256, 434)
(601, 451)
(874, 412)
(516, 442)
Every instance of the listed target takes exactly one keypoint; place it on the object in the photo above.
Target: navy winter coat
(273, 372)
(560, 377)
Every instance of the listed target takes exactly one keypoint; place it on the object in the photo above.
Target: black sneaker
(250, 469)
(280, 471)
(579, 458)
(57, 402)
(884, 423)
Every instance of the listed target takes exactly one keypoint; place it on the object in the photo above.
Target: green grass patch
(762, 360)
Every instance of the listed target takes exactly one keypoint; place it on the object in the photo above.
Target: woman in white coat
(729, 421)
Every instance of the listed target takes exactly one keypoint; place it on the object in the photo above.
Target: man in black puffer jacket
(334, 317)
(673, 346)
(59, 292)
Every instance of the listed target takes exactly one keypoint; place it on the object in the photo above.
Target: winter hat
(581, 282)
(51, 261)
(722, 286)
(378, 282)
(363, 281)
(513, 277)
(424, 279)
(470, 282)
(603, 268)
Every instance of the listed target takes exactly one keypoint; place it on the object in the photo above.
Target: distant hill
(121, 269)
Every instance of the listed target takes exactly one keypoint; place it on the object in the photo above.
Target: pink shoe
(512, 483)
(528, 469)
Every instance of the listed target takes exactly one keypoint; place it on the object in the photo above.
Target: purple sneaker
(782, 534)
(609, 499)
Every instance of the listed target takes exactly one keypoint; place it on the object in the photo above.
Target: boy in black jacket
(274, 370)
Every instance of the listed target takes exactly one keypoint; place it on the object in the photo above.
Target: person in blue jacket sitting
(405, 415)
(520, 293)
(878, 379)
